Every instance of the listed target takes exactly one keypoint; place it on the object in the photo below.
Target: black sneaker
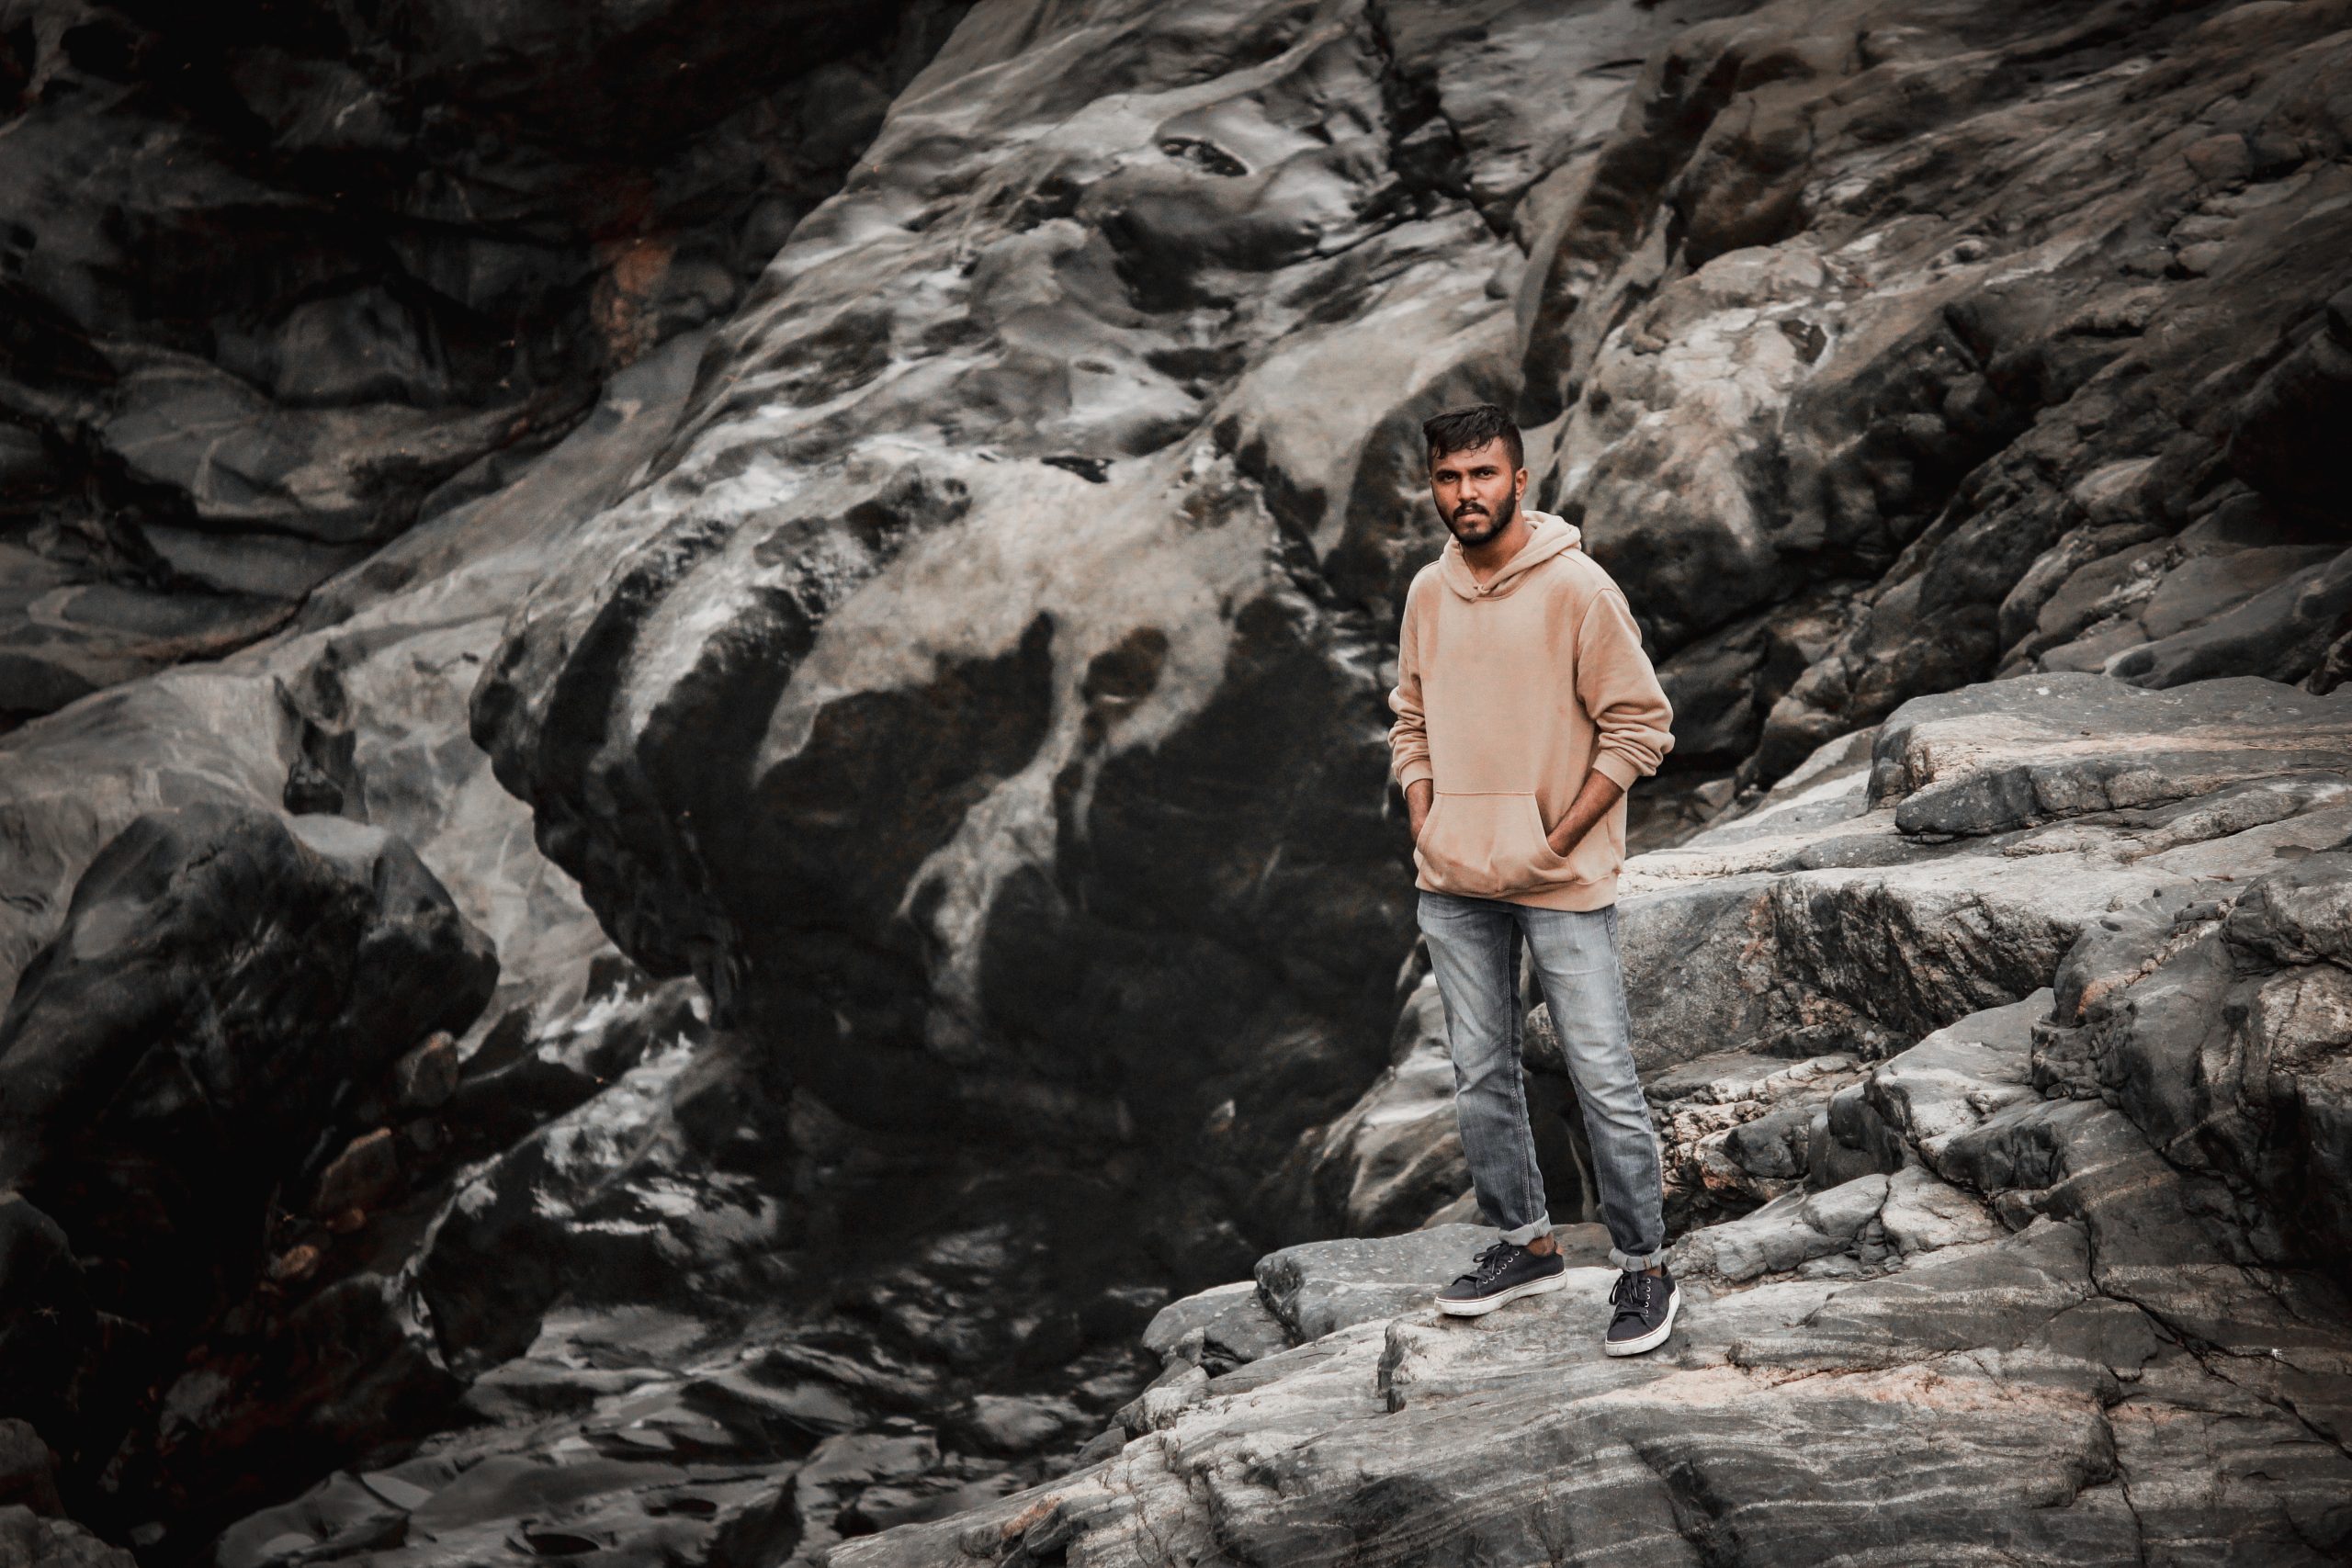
(1503, 1272)
(1645, 1306)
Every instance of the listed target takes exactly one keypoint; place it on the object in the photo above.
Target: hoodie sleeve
(1408, 739)
(1619, 690)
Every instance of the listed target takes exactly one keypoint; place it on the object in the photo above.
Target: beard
(1473, 525)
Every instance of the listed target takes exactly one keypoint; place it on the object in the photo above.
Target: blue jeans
(1474, 948)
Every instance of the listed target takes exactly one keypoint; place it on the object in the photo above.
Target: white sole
(1654, 1338)
(1482, 1307)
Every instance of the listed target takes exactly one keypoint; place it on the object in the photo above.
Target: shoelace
(1488, 1265)
(1631, 1295)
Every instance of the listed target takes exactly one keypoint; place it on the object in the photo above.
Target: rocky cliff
(696, 797)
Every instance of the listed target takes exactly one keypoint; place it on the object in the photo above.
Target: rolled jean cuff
(1632, 1261)
(1540, 1225)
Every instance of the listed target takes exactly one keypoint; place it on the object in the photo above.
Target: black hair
(1462, 430)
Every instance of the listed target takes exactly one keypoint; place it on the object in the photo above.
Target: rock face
(1048, 466)
(857, 549)
(284, 282)
(1007, 474)
(2066, 1275)
(1907, 876)
(1949, 323)
(279, 1338)
(605, 1182)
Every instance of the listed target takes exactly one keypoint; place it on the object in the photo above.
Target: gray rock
(345, 1515)
(1323, 1286)
(2001, 1358)
(376, 693)
(150, 961)
(2030, 749)
(178, 1054)
(2156, 602)
(2036, 1262)
(1921, 1214)
(2286, 415)
(1723, 686)
(1792, 1229)
(1946, 453)
(2297, 915)
(2291, 593)
(233, 316)
(2064, 1339)
(1737, 1128)
(1955, 1077)
(27, 1469)
(28, 1538)
(1234, 1324)
(1016, 1425)
(1078, 794)
(1386, 1161)
(338, 475)
(2222, 1045)
(975, 691)
(1773, 1146)
(49, 1341)
(260, 566)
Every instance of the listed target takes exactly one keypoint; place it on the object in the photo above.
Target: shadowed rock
(174, 1063)
(284, 281)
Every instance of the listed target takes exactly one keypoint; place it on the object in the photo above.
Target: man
(1525, 708)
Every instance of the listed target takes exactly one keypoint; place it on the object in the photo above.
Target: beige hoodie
(1506, 695)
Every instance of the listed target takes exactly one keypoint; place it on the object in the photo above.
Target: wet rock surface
(507, 1231)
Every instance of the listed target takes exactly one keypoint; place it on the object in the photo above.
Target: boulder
(178, 1056)
(1126, 759)
(1396, 1155)
(1993, 1374)
(1232, 1323)
(1321, 1286)
(2222, 1035)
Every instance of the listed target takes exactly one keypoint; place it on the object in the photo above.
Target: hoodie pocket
(1483, 846)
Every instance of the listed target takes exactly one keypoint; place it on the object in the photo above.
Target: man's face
(1476, 490)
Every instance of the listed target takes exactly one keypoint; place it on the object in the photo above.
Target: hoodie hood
(1547, 536)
